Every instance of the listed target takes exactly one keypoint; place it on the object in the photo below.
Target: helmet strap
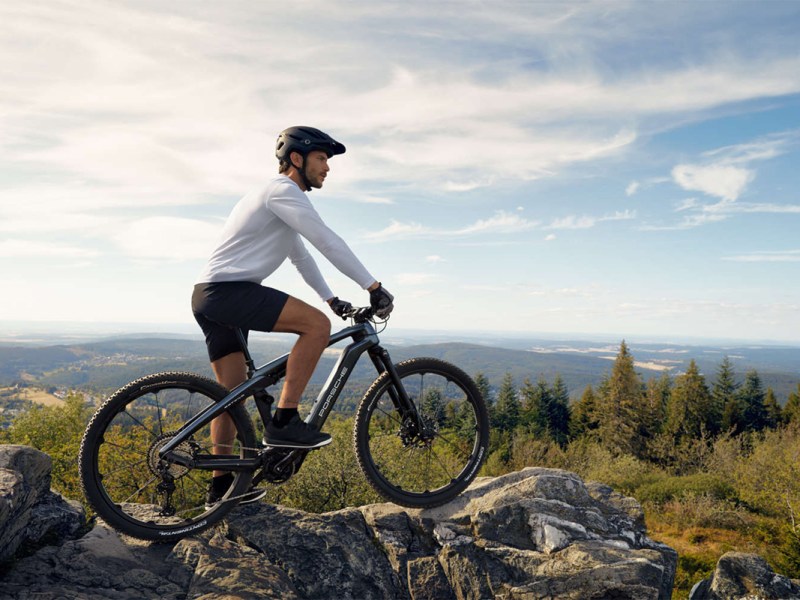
(302, 170)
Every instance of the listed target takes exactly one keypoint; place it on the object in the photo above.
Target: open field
(36, 395)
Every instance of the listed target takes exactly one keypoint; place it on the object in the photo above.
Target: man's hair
(284, 166)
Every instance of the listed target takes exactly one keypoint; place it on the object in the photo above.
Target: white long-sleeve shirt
(265, 228)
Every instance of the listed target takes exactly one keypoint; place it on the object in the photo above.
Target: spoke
(393, 415)
(428, 471)
(125, 448)
(138, 422)
(158, 413)
(446, 471)
(125, 468)
(452, 444)
(141, 489)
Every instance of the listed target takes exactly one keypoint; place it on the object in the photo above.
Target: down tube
(336, 381)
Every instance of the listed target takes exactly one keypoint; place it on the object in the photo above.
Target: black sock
(282, 416)
(221, 483)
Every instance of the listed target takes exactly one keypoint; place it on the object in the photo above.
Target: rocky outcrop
(740, 576)
(534, 534)
(537, 533)
(30, 514)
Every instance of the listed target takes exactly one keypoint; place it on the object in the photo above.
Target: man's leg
(314, 330)
(230, 370)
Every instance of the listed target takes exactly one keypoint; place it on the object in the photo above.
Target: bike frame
(365, 339)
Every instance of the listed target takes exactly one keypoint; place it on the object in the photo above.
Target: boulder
(537, 533)
(31, 515)
(741, 576)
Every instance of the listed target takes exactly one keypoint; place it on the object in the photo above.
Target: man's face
(317, 168)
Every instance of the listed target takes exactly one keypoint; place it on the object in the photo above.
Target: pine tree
(536, 399)
(791, 412)
(621, 405)
(725, 400)
(507, 410)
(482, 383)
(432, 406)
(558, 412)
(751, 399)
(773, 410)
(584, 419)
(658, 392)
(689, 410)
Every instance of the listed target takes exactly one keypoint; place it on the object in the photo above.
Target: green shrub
(625, 473)
(677, 487)
(704, 511)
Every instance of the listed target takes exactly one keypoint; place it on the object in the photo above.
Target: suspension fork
(404, 405)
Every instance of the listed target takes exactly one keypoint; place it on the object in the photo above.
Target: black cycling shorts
(220, 307)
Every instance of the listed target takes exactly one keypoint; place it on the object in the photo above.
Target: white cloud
(587, 222)
(412, 279)
(573, 222)
(167, 238)
(726, 176)
(501, 222)
(27, 249)
(722, 181)
(767, 256)
(398, 230)
(632, 188)
(434, 259)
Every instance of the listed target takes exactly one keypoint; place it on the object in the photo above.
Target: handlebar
(360, 314)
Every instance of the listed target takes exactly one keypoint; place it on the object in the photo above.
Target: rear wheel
(426, 463)
(126, 482)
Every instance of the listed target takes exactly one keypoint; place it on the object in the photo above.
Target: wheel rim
(422, 462)
(139, 486)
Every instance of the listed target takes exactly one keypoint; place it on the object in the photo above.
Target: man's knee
(320, 324)
(303, 319)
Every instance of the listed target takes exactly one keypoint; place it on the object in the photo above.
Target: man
(265, 228)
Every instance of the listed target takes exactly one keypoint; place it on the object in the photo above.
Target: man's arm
(308, 269)
(294, 209)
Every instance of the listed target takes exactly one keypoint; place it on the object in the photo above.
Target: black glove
(340, 307)
(381, 302)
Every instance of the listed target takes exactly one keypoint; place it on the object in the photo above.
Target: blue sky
(609, 168)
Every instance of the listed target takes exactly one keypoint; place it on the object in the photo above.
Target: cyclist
(267, 226)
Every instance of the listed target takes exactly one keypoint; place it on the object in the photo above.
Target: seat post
(251, 367)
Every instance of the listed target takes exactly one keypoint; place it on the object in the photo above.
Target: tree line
(653, 420)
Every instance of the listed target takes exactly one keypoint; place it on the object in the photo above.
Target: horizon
(551, 167)
(39, 332)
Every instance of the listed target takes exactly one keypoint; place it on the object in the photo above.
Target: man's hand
(381, 301)
(340, 307)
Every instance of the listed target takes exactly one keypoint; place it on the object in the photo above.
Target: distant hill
(104, 365)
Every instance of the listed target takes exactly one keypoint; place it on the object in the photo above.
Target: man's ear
(299, 164)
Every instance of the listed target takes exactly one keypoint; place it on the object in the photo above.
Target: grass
(35, 395)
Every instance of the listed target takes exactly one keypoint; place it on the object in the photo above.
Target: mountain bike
(420, 435)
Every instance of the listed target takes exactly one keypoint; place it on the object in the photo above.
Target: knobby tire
(428, 468)
(119, 465)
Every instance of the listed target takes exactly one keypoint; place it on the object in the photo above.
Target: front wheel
(426, 462)
(130, 486)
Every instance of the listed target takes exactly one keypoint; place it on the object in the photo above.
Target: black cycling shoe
(219, 486)
(295, 434)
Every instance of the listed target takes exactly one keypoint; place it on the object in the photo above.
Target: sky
(628, 169)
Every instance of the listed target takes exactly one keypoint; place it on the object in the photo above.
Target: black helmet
(304, 140)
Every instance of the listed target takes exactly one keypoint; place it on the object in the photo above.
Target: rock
(741, 576)
(537, 533)
(223, 568)
(334, 555)
(30, 514)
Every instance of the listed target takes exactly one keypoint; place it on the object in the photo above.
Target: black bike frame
(365, 339)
